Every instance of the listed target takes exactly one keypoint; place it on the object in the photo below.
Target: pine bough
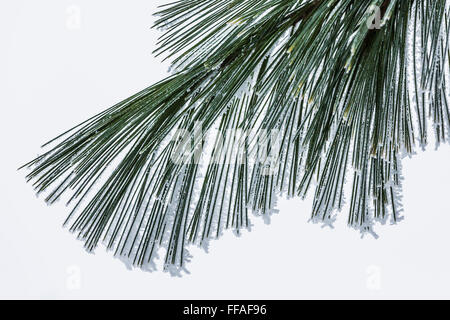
(265, 98)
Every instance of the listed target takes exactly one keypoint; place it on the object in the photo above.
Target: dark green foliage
(341, 96)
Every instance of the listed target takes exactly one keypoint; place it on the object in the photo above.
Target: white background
(56, 71)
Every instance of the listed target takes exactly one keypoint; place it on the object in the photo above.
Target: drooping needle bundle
(267, 97)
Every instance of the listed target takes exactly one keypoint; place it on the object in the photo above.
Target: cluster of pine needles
(348, 102)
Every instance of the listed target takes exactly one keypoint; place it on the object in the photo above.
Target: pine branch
(266, 98)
